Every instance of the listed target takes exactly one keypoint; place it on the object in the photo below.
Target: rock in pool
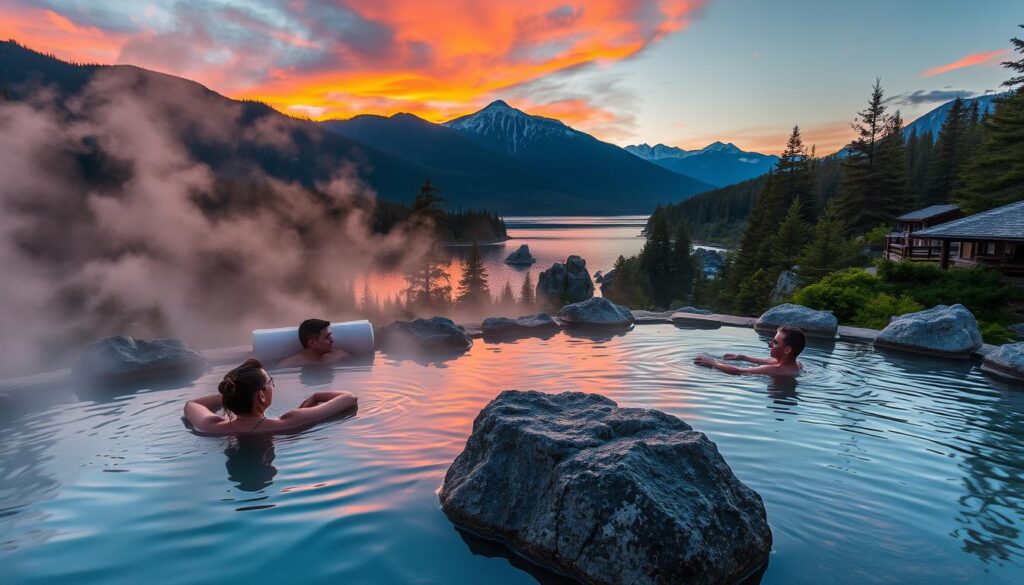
(125, 359)
(1006, 361)
(527, 325)
(436, 334)
(604, 494)
(565, 283)
(596, 312)
(521, 257)
(948, 331)
(813, 323)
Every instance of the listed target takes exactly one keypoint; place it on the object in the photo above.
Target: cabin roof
(927, 213)
(1001, 223)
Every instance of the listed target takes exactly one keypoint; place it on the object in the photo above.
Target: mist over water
(109, 226)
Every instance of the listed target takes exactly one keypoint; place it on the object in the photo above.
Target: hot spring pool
(874, 468)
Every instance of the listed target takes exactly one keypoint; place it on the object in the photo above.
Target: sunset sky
(680, 72)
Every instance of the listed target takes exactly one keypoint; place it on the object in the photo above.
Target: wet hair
(795, 339)
(310, 329)
(239, 387)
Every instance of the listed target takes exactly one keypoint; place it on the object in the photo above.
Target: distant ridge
(718, 163)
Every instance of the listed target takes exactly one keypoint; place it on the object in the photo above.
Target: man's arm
(303, 415)
(767, 370)
(747, 358)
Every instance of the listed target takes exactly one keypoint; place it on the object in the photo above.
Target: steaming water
(598, 240)
(874, 468)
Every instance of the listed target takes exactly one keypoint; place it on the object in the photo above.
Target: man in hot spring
(783, 349)
(318, 345)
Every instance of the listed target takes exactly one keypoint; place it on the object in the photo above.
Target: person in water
(245, 393)
(783, 349)
(317, 343)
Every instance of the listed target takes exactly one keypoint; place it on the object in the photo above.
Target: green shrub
(844, 293)
(995, 333)
(882, 307)
(981, 290)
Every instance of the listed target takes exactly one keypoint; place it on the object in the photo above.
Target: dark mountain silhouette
(717, 163)
(567, 172)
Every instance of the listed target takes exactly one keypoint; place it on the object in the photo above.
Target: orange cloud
(972, 60)
(438, 60)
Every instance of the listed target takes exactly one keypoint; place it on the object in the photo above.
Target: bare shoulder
(296, 360)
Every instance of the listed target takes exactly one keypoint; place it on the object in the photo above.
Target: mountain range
(718, 163)
(499, 158)
(932, 121)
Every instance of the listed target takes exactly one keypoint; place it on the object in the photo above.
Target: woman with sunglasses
(245, 393)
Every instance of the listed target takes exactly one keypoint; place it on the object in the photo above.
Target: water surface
(874, 468)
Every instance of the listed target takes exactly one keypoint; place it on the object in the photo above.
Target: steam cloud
(152, 244)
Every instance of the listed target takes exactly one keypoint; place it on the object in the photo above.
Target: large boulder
(811, 322)
(565, 283)
(125, 359)
(436, 334)
(1006, 361)
(528, 325)
(949, 331)
(604, 494)
(1017, 329)
(596, 312)
(521, 257)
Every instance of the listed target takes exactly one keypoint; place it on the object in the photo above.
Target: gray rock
(785, 286)
(125, 359)
(565, 283)
(1017, 329)
(606, 495)
(1007, 361)
(433, 334)
(945, 331)
(693, 310)
(521, 257)
(518, 326)
(596, 312)
(811, 322)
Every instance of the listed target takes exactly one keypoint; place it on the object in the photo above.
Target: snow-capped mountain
(932, 121)
(507, 129)
(718, 163)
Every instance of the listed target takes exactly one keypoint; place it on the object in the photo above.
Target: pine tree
(893, 172)
(656, 261)
(473, 289)
(789, 239)
(683, 266)
(754, 294)
(828, 251)
(428, 285)
(508, 298)
(871, 194)
(368, 304)
(949, 153)
(919, 158)
(527, 294)
(794, 179)
(994, 175)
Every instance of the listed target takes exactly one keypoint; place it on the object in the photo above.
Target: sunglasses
(270, 382)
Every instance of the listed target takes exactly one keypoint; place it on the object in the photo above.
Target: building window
(967, 250)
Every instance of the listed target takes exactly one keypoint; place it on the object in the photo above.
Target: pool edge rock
(605, 494)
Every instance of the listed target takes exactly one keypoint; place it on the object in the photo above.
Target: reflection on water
(250, 462)
(914, 464)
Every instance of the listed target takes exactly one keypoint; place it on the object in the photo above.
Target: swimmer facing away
(783, 348)
(245, 393)
(317, 345)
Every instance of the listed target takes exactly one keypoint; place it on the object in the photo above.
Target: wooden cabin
(993, 238)
(899, 245)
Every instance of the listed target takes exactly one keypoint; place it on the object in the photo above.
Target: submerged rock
(811, 322)
(950, 331)
(596, 312)
(565, 283)
(692, 310)
(519, 326)
(605, 494)
(433, 334)
(521, 257)
(1007, 361)
(125, 359)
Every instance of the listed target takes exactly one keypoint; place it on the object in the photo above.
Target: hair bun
(227, 385)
